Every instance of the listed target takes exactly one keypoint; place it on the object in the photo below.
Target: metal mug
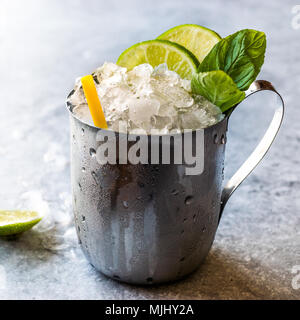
(148, 224)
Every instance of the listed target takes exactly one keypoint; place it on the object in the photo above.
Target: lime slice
(196, 39)
(14, 222)
(156, 52)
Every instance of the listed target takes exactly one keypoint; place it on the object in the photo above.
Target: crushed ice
(146, 98)
(54, 157)
(56, 229)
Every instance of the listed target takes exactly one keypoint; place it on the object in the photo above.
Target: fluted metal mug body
(152, 223)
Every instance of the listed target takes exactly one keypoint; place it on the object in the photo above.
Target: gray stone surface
(44, 45)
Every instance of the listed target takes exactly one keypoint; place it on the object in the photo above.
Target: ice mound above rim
(146, 98)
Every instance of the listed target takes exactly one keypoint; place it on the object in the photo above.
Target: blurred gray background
(44, 46)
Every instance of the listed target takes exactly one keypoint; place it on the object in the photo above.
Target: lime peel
(156, 52)
(197, 39)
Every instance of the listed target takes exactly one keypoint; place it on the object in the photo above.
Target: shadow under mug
(147, 224)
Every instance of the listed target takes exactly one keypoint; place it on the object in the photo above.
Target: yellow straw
(93, 101)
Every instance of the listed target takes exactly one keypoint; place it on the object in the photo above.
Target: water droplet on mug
(203, 229)
(182, 231)
(223, 139)
(125, 204)
(83, 218)
(213, 203)
(188, 200)
(194, 217)
(139, 197)
(174, 192)
(141, 184)
(82, 132)
(83, 169)
(182, 259)
(92, 152)
(216, 139)
(80, 187)
(94, 174)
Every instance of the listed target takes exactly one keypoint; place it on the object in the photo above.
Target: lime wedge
(156, 52)
(197, 39)
(14, 222)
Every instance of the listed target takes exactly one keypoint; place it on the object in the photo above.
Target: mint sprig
(217, 87)
(240, 56)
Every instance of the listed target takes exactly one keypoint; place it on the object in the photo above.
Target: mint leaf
(218, 88)
(240, 55)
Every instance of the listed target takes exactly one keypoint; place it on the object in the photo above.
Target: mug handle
(261, 149)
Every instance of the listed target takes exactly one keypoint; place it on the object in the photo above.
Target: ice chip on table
(145, 98)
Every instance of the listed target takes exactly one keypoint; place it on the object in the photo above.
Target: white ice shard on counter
(146, 98)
